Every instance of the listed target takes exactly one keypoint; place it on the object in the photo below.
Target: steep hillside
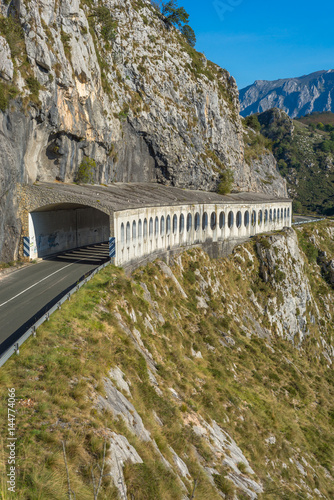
(304, 151)
(204, 378)
(105, 85)
(313, 119)
(296, 96)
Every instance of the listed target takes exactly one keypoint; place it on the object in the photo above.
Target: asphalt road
(25, 291)
(302, 219)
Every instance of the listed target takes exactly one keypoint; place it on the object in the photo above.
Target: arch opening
(239, 219)
(65, 226)
(189, 222)
(221, 220)
(246, 218)
(230, 220)
(197, 221)
(213, 221)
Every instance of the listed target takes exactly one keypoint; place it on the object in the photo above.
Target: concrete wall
(217, 224)
(54, 231)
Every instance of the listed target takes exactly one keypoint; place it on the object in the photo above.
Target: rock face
(107, 81)
(296, 96)
(275, 259)
(6, 64)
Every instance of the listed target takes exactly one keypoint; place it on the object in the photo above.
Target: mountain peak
(296, 96)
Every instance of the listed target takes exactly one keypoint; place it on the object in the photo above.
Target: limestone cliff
(106, 80)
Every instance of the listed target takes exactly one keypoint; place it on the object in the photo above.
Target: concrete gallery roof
(121, 196)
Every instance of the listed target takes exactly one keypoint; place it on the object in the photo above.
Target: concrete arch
(197, 222)
(189, 222)
(230, 221)
(213, 221)
(122, 234)
(168, 225)
(156, 227)
(221, 220)
(239, 219)
(127, 233)
(174, 224)
(181, 228)
(246, 218)
(192, 224)
(134, 231)
(253, 218)
(260, 217)
(204, 221)
(58, 227)
(162, 226)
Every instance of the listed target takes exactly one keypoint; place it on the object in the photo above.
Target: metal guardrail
(307, 221)
(12, 344)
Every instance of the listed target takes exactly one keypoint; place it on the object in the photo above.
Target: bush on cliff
(85, 174)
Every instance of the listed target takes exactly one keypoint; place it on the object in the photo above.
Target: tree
(297, 207)
(226, 182)
(173, 14)
(252, 121)
(176, 16)
(189, 35)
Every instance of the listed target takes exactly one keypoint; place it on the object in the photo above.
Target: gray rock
(168, 272)
(227, 452)
(118, 376)
(120, 406)
(282, 264)
(6, 63)
(120, 452)
(181, 466)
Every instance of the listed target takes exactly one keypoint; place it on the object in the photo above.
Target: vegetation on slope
(304, 150)
(217, 358)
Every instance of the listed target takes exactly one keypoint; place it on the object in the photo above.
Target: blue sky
(264, 40)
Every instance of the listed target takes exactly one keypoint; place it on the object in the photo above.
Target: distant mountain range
(296, 96)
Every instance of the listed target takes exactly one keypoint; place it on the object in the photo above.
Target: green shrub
(309, 249)
(226, 182)
(141, 481)
(66, 38)
(224, 485)
(190, 276)
(13, 32)
(108, 24)
(85, 172)
(7, 92)
(279, 276)
(253, 122)
(122, 115)
(242, 467)
(33, 85)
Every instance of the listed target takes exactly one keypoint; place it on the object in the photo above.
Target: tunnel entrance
(60, 227)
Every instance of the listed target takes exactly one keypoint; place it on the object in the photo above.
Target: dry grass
(253, 388)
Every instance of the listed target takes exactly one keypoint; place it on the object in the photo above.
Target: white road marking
(38, 282)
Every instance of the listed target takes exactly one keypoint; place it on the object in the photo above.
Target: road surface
(25, 291)
(303, 219)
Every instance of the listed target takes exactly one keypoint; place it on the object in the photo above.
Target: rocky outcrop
(296, 96)
(6, 63)
(107, 81)
(276, 268)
